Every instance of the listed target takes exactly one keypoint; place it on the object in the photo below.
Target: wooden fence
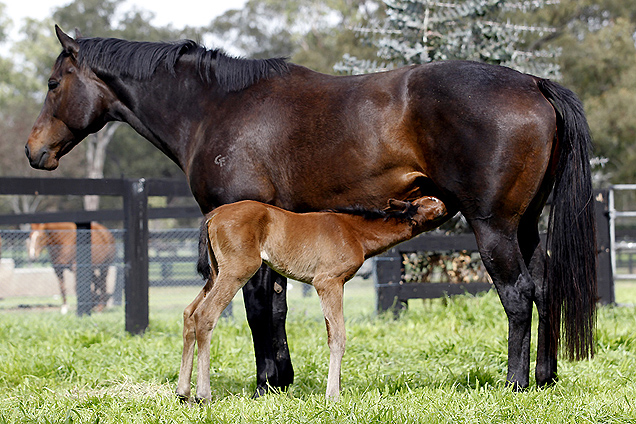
(135, 215)
(393, 293)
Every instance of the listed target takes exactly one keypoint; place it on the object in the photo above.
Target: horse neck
(379, 235)
(164, 110)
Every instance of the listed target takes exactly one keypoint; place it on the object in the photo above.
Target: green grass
(442, 362)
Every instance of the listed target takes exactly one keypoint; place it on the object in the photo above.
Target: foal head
(423, 214)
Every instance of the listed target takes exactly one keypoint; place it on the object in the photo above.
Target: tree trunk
(95, 158)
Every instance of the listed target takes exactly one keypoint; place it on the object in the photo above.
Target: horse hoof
(260, 391)
(182, 398)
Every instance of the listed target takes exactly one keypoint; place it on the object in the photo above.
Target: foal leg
(206, 316)
(187, 357)
(502, 257)
(330, 293)
(266, 309)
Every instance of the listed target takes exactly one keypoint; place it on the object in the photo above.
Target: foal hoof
(181, 398)
(201, 401)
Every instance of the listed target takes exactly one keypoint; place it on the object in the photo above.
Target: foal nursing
(324, 249)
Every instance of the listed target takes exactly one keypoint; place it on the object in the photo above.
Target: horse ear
(78, 34)
(68, 44)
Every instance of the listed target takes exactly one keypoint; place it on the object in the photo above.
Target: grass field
(442, 362)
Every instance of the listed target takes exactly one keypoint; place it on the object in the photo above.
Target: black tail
(572, 229)
(203, 264)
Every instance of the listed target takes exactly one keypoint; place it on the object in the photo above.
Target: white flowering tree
(492, 31)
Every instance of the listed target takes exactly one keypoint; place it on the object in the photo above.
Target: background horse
(60, 239)
(324, 249)
(486, 140)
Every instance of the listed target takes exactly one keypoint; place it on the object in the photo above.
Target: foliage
(598, 62)
(441, 362)
(314, 33)
(453, 266)
(417, 31)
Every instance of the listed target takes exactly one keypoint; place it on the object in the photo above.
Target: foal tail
(203, 264)
(571, 273)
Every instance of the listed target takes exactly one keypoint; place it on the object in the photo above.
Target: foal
(320, 248)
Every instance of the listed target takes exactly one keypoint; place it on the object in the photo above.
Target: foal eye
(53, 84)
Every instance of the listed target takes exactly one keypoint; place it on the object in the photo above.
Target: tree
(598, 63)
(419, 31)
(314, 33)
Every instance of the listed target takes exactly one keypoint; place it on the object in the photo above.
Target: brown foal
(324, 249)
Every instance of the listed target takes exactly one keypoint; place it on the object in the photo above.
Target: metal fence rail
(619, 247)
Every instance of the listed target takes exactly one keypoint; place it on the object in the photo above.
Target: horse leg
(266, 308)
(99, 288)
(59, 272)
(189, 339)
(535, 258)
(330, 293)
(500, 252)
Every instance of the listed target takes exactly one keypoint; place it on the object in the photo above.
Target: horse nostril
(27, 151)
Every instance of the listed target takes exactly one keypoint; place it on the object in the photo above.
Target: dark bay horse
(486, 140)
(59, 238)
(324, 249)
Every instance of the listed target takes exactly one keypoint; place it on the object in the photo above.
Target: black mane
(405, 214)
(140, 60)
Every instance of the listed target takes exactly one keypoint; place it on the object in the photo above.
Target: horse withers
(324, 249)
(60, 239)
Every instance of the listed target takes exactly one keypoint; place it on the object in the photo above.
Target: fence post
(83, 269)
(387, 275)
(605, 279)
(136, 256)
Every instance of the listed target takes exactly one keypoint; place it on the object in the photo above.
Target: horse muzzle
(41, 159)
(46, 143)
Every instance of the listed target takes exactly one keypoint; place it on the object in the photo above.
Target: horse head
(76, 105)
(36, 241)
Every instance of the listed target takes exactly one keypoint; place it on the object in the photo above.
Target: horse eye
(53, 84)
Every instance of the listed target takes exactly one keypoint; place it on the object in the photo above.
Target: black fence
(150, 259)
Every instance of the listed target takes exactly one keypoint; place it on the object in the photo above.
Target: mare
(488, 141)
(60, 239)
(324, 249)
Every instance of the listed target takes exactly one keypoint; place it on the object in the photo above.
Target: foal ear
(68, 44)
(399, 205)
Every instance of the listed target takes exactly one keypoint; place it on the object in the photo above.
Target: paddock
(441, 361)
